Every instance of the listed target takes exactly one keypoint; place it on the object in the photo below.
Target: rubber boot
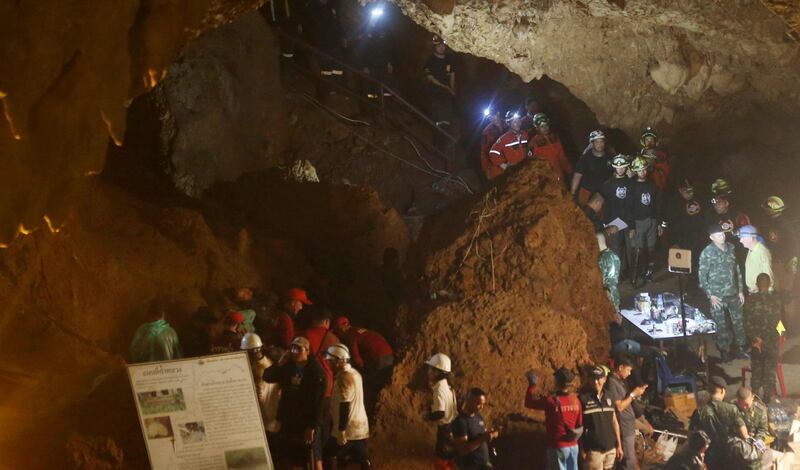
(635, 269)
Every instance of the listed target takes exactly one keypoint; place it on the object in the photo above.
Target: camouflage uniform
(720, 420)
(719, 275)
(610, 266)
(755, 418)
(762, 312)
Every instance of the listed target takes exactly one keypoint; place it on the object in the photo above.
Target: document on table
(619, 223)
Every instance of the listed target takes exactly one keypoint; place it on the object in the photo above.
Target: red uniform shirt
(661, 169)
(320, 339)
(367, 348)
(284, 330)
(560, 411)
(510, 149)
(549, 148)
(489, 136)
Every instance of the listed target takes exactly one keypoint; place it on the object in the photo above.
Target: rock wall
(633, 62)
(518, 287)
(67, 72)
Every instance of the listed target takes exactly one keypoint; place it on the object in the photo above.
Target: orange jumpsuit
(661, 169)
(489, 136)
(549, 148)
(510, 149)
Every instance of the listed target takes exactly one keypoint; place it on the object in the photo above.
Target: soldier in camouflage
(610, 266)
(761, 316)
(754, 414)
(720, 420)
(720, 278)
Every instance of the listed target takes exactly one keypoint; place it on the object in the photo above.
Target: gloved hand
(340, 437)
(532, 378)
(504, 166)
(760, 445)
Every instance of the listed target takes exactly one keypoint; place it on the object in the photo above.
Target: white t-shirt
(444, 399)
(348, 388)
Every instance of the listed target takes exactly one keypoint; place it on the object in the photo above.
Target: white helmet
(596, 135)
(251, 341)
(338, 351)
(439, 361)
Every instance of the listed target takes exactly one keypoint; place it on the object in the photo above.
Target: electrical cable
(442, 172)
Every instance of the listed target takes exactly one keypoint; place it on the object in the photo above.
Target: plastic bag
(665, 446)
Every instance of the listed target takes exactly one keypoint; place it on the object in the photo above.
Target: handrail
(364, 76)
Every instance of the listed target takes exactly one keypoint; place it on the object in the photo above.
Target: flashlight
(376, 12)
(487, 112)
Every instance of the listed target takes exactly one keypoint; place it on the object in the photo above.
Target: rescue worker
(196, 337)
(646, 223)
(350, 429)
(762, 313)
(470, 437)
(243, 302)
(375, 51)
(593, 209)
(512, 147)
(721, 188)
(759, 259)
(440, 78)
(268, 394)
(691, 456)
(728, 217)
(489, 136)
(623, 398)
(592, 170)
(754, 414)
(685, 221)
(720, 278)
(719, 420)
(532, 108)
(443, 410)
(230, 338)
(301, 409)
(618, 204)
(371, 354)
(546, 145)
(781, 241)
(294, 301)
(155, 340)
(320, 338)
(601, 443)
(563, 418)
(610, 266)
(657, 158)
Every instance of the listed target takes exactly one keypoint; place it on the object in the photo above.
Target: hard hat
(597, 372)
(596, 135)
(512, 114)
(648, 132)
(774, 206)
(338, 351)
(251, 341)
(717, 199)
(747, 231)
(620, 162)
(564, 376)
(439, 361)
(438, 40)
(342, 322)
(298, 294)
(302, 342)
(540, 118)
(639, 164)
(235, 317)
(720, 187)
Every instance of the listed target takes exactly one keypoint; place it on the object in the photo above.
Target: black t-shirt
(595, 170)
(687, 223)
(618, 200)
(598, 422)
(473, 427)
(644, 200)
(440, 68)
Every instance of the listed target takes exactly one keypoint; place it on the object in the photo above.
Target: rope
(444, 173)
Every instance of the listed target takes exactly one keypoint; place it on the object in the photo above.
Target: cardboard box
(682, 404)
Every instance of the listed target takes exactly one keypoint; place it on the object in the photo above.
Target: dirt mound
(519, 265)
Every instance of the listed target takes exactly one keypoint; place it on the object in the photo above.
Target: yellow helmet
(639, 164)
(773, 205)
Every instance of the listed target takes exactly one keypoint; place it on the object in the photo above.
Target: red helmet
(298, 294)
(342, 322)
